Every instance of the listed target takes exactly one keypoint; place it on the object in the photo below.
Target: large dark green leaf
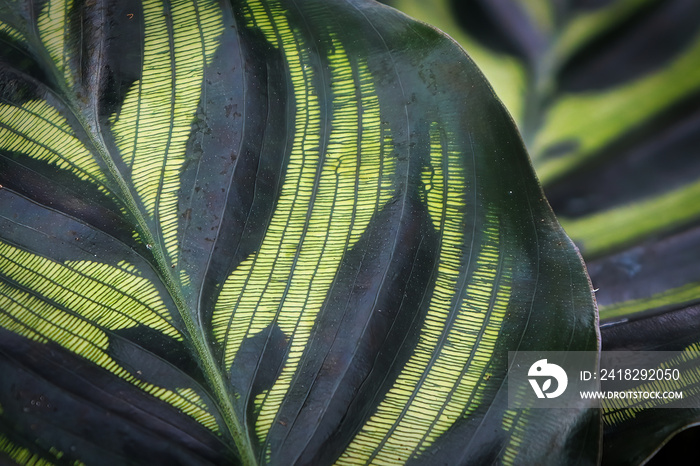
(269, 232)
(607, 95)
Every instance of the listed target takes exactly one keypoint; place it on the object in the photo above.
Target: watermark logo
(543, 370)
(605, 379)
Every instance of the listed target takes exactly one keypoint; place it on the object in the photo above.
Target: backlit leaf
(606, 95)
(269, 232)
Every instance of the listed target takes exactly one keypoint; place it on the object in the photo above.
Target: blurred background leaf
(606, 94)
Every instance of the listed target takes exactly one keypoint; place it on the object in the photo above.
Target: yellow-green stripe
(592, 120)
(12, 32)
(156, 117)
(39, 320)
(53, 30)
(105, 295)
(617, 227)
(516, 422)
(72, 303)
(39, 131)
(680, 296)
(437, 385)
(617, 410)
(22, 455)
(326, 203)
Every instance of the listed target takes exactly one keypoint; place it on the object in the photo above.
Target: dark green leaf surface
(286, 232)
(606, 94)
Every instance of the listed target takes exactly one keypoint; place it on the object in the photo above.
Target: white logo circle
(542, 369)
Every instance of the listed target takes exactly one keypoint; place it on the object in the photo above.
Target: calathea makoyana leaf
(269, 232)
(675, 331)
(607, 95)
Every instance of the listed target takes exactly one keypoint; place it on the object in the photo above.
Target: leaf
(546, 385)
(269, 232)
(606, 96)
(649, 429)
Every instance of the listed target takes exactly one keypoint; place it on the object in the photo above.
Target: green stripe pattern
(23, 455)
(38, 130)
(639, 122)
(54, 33)
(75, 303)
(621, 410)
(436, 388)
(326, 203)
(155, 121)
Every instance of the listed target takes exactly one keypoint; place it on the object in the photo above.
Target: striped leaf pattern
(606, 96)
(269, 232)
